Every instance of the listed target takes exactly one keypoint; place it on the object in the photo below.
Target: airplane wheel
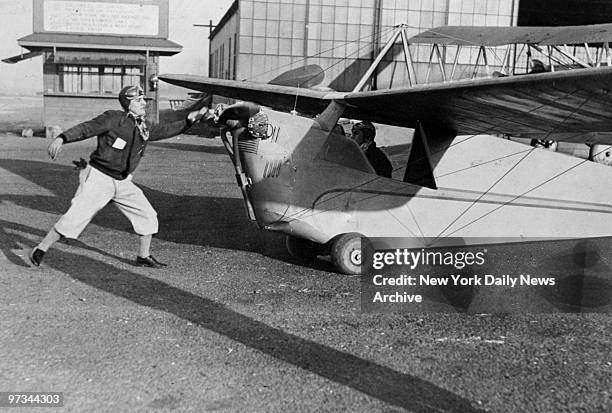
(302, 248)
(346, 253)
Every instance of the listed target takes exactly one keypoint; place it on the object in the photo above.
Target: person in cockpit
(363, 133)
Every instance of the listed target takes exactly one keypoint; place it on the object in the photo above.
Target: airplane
(458, 182)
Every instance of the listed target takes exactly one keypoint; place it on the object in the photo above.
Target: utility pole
(210, 26)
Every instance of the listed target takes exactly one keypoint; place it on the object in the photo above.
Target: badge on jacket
(119, 143)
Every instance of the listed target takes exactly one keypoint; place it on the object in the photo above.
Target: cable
(524, 193)
(482, 195)
(299, 213)
(499, 180)
(319, 55)
(481, 164)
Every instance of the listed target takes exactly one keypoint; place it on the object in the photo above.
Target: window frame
(101, 73)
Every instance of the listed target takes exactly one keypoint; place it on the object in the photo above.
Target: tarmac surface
(235, 324)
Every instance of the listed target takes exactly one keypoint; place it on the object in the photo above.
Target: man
(122, 139)
(363, 133)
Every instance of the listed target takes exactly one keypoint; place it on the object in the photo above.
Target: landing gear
(303, 248)
(346, 253)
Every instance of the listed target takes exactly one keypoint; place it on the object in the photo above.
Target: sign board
(104, 17)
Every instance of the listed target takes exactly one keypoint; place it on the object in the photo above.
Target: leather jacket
(120, 144)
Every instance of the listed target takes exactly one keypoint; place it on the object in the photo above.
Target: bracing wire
(320, 54)
(503, 176)
(528, 151)
(526, 192)
(482, 195)
(299, 213)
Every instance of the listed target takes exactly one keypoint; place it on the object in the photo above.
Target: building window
(79, 79)
(112, 79)
(98, 79)
(133, 75)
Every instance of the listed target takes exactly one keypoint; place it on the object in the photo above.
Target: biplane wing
(498, 36)
(573, 105)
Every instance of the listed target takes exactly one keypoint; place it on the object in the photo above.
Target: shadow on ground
(380, 382)
(217, 222)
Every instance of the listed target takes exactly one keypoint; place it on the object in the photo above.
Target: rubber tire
(343, 249)
(302, 248)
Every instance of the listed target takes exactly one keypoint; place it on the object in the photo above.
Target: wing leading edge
(279, 97)
(570, 105)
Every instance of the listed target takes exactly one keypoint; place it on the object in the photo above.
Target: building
(258, 40)
(91, 49)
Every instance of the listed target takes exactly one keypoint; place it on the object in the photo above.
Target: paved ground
(235, 324)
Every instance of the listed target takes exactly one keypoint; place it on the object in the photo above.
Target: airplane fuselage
(310, 183)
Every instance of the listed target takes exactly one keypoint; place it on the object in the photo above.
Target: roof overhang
(42, 41)
(22, 56)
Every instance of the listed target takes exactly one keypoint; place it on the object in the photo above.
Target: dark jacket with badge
(120, 144)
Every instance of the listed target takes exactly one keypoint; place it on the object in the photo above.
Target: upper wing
(570, 105)
(498, 36)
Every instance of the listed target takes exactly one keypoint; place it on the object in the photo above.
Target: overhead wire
(320, 54)
(384, 30)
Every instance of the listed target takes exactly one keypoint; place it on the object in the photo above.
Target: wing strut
(419, 169)
(399, 32)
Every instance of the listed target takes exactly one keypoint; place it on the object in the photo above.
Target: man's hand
(218, 110)
(80, 164)
(209, 115)
(196, 115)
(55, 148)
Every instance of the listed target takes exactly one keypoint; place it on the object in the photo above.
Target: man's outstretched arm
(85, 130)
(170, 129)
